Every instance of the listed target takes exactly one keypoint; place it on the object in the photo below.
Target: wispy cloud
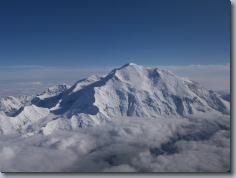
(198, 68)
(48, 72)
(30, 83)
(215, 77)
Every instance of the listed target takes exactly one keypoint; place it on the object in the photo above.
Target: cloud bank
(216, 77)
(127, 145)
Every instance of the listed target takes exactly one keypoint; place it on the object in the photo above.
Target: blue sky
(44, 42)
(100, 33)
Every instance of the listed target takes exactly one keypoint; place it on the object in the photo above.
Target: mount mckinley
(129, 94)
(129, 91)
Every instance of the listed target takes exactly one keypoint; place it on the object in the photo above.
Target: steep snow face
(225, 95)
(83, 83)
(10, 105)
(24, 121)
(51, 96)
(53, 91)
(6, 127)
(134, 90)
(78, 95)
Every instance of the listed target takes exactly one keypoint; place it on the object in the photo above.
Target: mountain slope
(11, 106)
(225, 95)
(131, 91)
(50, 97)
(134, 90)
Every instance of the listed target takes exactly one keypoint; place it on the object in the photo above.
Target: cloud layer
(127, 145)
(216, 77)
(37, 78)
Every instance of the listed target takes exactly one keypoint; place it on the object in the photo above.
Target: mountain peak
(129, 91)
(129, 64)
(54, 90)
(128, 68)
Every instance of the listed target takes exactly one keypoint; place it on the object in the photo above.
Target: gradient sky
(89, 33)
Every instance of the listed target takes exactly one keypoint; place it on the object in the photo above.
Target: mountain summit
(131, 91)
(135, 90)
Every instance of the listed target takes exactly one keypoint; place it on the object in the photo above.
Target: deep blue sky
(113, 32)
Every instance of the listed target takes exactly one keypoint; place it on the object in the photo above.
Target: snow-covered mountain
(135, 118)
(50, 97)
(11, 105)
(129, 91)
(225, 95)
(134, 90)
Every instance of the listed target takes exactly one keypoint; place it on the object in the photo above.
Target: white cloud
(31, 83)
(124, 145)
(48, 72)
(216, 77)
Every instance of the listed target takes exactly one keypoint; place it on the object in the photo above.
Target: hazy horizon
(35, 79)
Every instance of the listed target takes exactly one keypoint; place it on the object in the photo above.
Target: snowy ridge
(50, 97)
(11, 105)
(129, 91)
(22, 123)
(53, 91)
(134, 90)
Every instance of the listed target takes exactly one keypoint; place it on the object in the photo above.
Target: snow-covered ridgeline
(129, 91)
